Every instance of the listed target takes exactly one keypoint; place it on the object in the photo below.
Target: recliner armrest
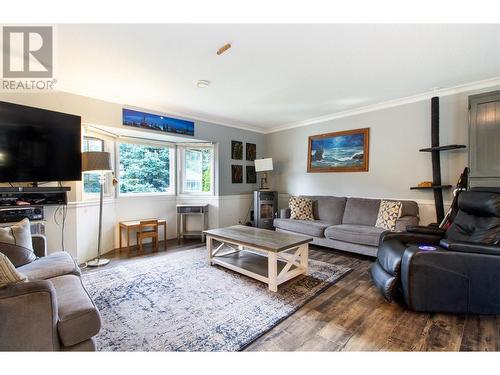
(470, 247)
(425, 230)
(410, 238)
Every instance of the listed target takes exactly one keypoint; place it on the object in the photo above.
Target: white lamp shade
(96, 161)
(263, 165)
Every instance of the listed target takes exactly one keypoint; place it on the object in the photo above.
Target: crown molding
(152, 108)
(472, 86)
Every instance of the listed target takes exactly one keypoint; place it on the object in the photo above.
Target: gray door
(484, 139)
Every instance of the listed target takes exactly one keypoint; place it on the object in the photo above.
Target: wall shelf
(442, 148)
(430, 187)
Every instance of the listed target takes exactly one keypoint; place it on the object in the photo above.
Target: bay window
(196, 169)
(146, 168)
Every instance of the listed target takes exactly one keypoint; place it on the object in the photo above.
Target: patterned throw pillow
(8, 273)
(388, 213)
(301, 208)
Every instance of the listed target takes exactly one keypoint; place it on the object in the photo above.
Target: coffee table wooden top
(260, 238)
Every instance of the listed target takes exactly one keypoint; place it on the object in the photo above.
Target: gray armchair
(52, 310)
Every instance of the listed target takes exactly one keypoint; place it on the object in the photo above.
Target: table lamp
(99, 162)
(263, 165)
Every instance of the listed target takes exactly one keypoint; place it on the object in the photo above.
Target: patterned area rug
(177, 302)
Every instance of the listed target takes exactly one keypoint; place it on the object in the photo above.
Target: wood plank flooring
(351, 316)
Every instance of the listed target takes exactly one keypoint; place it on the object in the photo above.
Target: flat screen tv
(37, 145)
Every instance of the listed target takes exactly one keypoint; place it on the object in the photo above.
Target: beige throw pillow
(388, 214)
(8, 273)
(18, 234)
(301, 208)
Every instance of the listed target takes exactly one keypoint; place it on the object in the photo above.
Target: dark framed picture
(251, 149)
(237, 174)
(251, 175)
(236, 150)
(152, 121)
(345, 151)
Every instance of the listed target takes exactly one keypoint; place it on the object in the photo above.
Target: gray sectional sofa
(345, 223)
(52, 310)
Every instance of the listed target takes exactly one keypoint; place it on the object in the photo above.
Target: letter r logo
(27, 51)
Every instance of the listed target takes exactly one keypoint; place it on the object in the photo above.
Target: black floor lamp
(100, 162)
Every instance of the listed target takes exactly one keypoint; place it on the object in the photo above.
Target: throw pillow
(301, 208)
(18, 255)
(18, 234)
(16, 243)
(8, 273)
(388, 213)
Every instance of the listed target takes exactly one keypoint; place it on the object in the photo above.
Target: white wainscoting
(81, 226)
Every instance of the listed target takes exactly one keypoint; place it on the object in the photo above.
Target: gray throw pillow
(16, 243)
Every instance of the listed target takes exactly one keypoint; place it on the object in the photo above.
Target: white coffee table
(265, 255)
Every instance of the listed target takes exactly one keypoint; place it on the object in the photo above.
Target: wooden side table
(184, 210)
(133, 225)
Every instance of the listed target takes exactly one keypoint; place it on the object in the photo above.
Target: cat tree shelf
(442, 148)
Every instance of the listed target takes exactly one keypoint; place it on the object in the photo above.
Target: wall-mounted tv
(38, 145)
(157, 122)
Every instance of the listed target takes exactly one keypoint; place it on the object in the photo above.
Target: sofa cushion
(17, 234)
(359, 234)
(409, 208)
(314, 228)
(328, 208)
(79, 319)
(18, 255)
(361, 211)
(56, 264)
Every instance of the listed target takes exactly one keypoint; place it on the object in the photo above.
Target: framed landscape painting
(345, 151)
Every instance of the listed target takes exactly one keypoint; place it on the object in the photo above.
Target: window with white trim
(196, 169)
(146, 168)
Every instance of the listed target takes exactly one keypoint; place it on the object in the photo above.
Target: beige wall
(396, 135)
(80, 236)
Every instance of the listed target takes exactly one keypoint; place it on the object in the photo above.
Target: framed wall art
(344, 151)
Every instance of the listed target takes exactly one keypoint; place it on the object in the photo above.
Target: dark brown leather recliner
(458, 272)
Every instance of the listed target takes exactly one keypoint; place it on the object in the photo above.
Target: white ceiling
(273, 75)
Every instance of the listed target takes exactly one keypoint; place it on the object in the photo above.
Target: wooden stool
(148, 229)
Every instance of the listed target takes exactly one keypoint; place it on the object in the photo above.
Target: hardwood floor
(351, 316)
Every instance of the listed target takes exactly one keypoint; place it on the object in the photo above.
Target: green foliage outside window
(207, 169)
(144, 169)
(91, 180)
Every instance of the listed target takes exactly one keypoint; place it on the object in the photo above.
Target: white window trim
(173, 177)
(109, 190)
(180, 168)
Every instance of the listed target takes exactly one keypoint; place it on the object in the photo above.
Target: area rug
(177, 302)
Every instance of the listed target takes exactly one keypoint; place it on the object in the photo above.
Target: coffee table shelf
(252, 262)
(270, 257)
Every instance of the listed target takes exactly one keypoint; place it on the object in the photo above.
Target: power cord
(63, 211)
